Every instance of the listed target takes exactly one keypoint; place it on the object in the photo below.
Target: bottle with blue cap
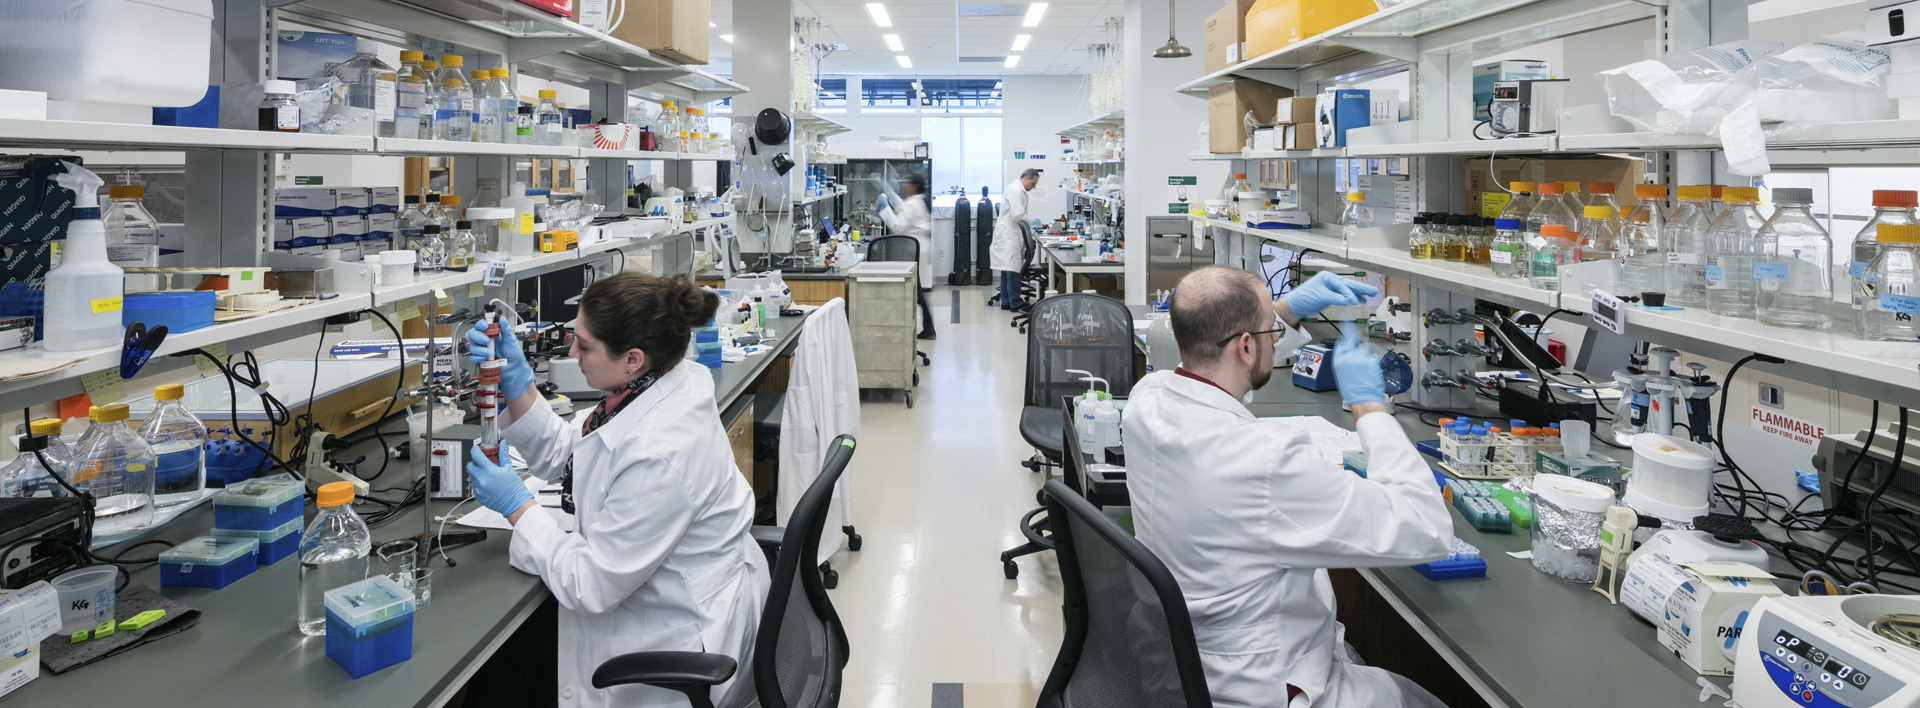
(1509, 252)
(84, 292)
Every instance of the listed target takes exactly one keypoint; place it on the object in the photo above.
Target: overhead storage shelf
(1095, 126)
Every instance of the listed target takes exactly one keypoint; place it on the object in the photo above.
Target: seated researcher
(1248, 515)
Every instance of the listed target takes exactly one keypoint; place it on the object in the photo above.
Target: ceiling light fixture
(727, 37)
(1172, 49)
(1020, 42)
(893, 42)
(1034, 11)
(905, 63)
(879, 13)
(1013, 61)
(710, 24)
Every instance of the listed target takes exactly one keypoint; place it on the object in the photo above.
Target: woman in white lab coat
(1009, 237)
(661, 559)
(911, 215)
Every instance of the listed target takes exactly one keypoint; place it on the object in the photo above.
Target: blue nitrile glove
(496, 486)
(516, 376)
(1327, 290)
(880, 203)
(1356, 369)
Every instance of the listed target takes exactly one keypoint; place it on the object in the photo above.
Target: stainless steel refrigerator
(1173, 250)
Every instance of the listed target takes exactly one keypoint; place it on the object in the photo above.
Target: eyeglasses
(1278, 327)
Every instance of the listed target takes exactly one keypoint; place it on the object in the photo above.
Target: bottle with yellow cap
(1890, 206)
(1893, 286)
(496, 107)
(333, 553)
(453, 119)
(1687, 256)
(116, 467)
(409, 94)
(1599, 233)
(1520, 202)
(669, 127)
(547, 120)
(26, 477)
(486, 123)
(430, 101)
(1351, 216)
(179, 440)
(1734, 243)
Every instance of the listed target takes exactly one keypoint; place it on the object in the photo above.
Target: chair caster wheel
(853, 542)
(830, 579)
(1010, 568)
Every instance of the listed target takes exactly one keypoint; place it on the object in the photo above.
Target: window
(833, 95)
(965, 152)
(724, 105)
(960, 94)
(888, 95)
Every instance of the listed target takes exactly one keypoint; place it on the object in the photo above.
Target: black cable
(1720, 430)
(303, 425)
(1543, 321)
(399, 381)
(233, 403)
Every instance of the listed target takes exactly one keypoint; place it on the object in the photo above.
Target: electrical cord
(233, 402)
(399, 383)
(1740, 476)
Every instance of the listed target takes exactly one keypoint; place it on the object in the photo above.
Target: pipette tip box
(1453, 569)
(259, 504)
(211, 562)
(274, 545)
(369, 625)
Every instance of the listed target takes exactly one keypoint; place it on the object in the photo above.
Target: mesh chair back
(1077, 331)
(1129, 641)
(801, 647)
(894, 249)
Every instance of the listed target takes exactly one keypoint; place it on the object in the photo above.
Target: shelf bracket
(1284, 78)
(1402, 48)
(1655, 3)
(521, 49)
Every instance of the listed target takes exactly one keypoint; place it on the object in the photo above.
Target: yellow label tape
(106, 304)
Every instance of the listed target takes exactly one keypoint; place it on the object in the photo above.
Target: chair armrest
(769, 536)
(674, 670)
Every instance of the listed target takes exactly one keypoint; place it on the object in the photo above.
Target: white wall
(1038, 107)
(1159, 123)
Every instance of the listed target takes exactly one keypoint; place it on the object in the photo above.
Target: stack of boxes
(1228, 105)
(265, 510)
(309, 221)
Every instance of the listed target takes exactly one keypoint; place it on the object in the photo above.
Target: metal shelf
(629, 154)
(1325, 240)
(1472, 279)
(1853, 135)
(1095, 126)
(803, 201)
(1292, 154)
(1098, 197)
(1457, 147)
(816, 126)
(70, 135)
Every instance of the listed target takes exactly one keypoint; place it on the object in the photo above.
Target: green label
(1019, 154)
(1178, 208)
(1180, 181)
(309, 181)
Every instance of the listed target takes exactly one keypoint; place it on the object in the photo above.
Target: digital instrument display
(1821, 658)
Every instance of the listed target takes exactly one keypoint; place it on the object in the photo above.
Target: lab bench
(808, 288)
(1067, 267)
(245, 649)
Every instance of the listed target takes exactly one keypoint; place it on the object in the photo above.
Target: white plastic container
(520, 241)
(1672, 478)
(1566, 526)
(128, 52)
(86, 597)
(83, 293)
(396, 268)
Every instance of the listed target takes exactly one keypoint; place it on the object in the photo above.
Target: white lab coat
(1008, 238)
(1247, 514)
(913, 219)
(822, 402)
(663, 560)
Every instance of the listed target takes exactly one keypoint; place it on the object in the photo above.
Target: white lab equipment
(83, 292)
(396, 268)
(108, 51)
(1163, 351)
(1672, 478)
(1653, 570)
(1857, 650)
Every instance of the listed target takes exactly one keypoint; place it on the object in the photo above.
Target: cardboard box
(1228, 105)
(1273, 24)
(673, 29)
(301, 232)
(1705, 615)
(383, 200)
(1226, 37)
(1509, 70)
(1298, 109)
(346, 229)
(1507, 170)
(1298, 136)
(289, 202)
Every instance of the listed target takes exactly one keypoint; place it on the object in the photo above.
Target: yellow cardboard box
(1227, 107)
(1273, 24)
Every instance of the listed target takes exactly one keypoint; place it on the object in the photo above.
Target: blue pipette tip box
(1453, 569)
(259, 504)
(1430, 448)
(369, 625)
(211, 562)
(274, 545)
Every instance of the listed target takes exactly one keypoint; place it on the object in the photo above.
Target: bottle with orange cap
(179, 440)
(1734, 243)
(1894, 278)
(127, 220)
(1688, 246)
(1553, 209)
(116, 468)
(1546, 253)
(1643, 256)
(1889, 207)
(333, 553)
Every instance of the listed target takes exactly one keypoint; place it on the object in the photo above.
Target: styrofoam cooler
(128, 52)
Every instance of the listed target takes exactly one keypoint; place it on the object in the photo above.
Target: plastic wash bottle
(83, 293)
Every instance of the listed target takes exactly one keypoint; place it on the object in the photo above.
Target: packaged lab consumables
(259, 504)
(211, 562)
(319, 201)
(369, 625)
(274, 545)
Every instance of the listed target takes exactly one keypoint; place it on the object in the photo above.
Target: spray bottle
(487, 399)
(83, 293)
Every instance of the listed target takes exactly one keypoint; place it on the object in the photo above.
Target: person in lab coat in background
(1009, 237)
(1247, 514)
(662, 559)
(912, 215)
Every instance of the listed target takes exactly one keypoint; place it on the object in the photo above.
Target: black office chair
(1070, 331)
(1033, 282)
(902, 249)
(801, 648)
(1129, 640)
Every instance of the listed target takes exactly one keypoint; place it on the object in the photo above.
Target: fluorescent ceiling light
(727, 37)
(1034, 11)
(1013, 61)
(905, 63)
(996, 84)
(1020, 42)
(879, 13)
(893, 42)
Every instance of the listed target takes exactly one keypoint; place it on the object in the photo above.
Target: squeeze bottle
(84, 291)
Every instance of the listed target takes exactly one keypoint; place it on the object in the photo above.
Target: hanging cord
(399, 383)
(1740, 476)
(267, 402)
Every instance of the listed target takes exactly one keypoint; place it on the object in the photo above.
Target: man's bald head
(1214, 303)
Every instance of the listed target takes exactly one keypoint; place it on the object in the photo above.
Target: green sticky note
(104, 630)
(409, 310)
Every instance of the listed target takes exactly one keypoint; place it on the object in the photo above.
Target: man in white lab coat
(1009, 237)
(1247, 514)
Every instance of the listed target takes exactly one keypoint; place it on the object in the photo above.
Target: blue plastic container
(212, 562)
(259, 504)
(233, 461)
(205, 114)
(274, 545)
(179, 311)
(369, 625)
(1452, 569)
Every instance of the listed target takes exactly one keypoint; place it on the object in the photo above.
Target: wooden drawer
(817, 292)
(740, 438)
